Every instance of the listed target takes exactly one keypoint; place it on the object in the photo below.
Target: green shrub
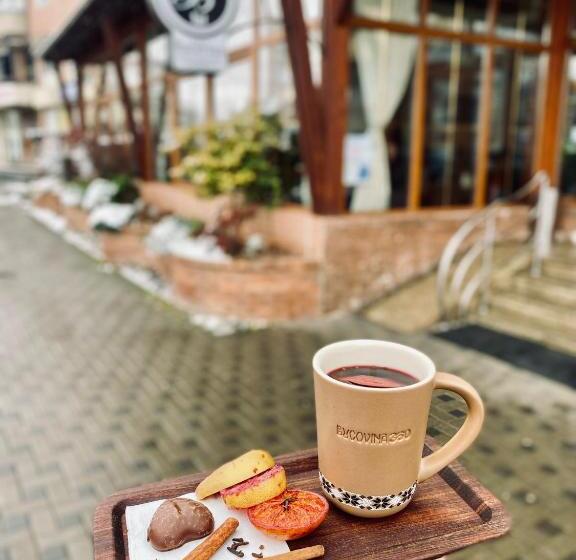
(237, 156)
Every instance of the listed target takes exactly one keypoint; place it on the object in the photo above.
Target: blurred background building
(450, 102)
(17, 91)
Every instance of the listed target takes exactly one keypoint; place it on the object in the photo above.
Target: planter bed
(49, 201)
(181, 199)
(76, 218)
(128, 247)
(270, 287)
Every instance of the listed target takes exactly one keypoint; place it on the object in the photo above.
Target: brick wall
(267, 288)
(371, 255)
(363, 256)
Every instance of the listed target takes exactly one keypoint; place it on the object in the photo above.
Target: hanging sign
(197, 32)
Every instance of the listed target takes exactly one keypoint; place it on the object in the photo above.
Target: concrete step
(517, 325)
(541, 315)
(560, 269)
(564, 251)
(546, 289)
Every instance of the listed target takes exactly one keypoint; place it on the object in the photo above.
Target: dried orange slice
(291, 515)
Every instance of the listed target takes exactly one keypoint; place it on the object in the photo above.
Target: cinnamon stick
(302, 554)
(208, 548)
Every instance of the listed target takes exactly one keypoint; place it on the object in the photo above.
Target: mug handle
(467, 433)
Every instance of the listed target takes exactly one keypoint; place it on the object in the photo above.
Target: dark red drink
(373, 377)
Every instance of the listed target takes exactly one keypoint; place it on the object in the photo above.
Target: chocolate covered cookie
(178, 521)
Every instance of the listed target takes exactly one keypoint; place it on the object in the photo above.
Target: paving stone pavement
(103, 387)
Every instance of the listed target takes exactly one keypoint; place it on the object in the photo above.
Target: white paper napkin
(138, 518)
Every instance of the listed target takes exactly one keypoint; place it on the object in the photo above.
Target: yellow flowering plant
(233, 157)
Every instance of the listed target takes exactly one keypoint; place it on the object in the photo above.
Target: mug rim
(384, 343)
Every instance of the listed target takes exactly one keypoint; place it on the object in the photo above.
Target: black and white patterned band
(367, 502)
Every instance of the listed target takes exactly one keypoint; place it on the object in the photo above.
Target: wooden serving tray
(450, 511)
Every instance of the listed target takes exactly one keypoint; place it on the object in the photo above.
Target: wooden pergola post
(548, 147)
(310, 111)
(97, 102)
(173, 113)
(80, 97)
(485, 109)
(255, 54)
(65, 98)
(147, 144)
(209, 85)
(115, 47)
(335, 78)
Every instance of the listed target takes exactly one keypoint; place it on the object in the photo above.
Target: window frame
(551, 90)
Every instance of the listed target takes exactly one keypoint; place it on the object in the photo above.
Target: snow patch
(46, 184)
(204, 248)
(99, 191)
(47, 218)
(10, 199)
(111, 217)
(146, 280)
(71, 196)
(225, 326)
(167, 230)
(16, 187)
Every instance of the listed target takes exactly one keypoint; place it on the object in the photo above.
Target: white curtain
(385, 63)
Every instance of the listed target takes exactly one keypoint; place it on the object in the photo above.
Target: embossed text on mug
(373, 438)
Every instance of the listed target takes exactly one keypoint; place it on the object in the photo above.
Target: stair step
(560, 269)
(516, 325)
(546, 289)
(539, 314)
(564, 251)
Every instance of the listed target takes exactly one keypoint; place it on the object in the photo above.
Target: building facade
(17, 92)
(448, 103)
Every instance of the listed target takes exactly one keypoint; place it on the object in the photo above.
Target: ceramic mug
(370, 440)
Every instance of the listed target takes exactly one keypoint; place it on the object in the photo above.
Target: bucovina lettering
(372, 438)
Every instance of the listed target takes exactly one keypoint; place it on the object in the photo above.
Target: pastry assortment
(253, 483)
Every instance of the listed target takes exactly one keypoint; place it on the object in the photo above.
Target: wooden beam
(64, 94)
(335, 75)
(485, 115)
(80, 97)
(100, 92)
(358, 22)
(210, 104)
(147, 144)
(548, 158)
(418, 124)
(345, 9)
(115, 47)
(173, 115)
(307, 103)
(255, 54)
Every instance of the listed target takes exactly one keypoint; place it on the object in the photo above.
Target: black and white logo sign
(197, 32)
(200, 19)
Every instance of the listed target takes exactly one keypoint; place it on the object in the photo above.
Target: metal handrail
(456, 294)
